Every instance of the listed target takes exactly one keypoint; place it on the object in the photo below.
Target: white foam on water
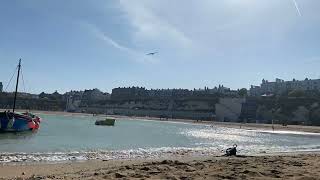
(105, 155)
(286, 132)
(140, 153)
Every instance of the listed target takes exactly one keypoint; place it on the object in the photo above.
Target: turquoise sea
(62, 138)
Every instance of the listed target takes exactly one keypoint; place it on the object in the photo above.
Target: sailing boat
(16, 122)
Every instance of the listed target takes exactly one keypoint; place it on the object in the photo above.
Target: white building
(280, 86)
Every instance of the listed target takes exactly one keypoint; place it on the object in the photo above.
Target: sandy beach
(287, 166)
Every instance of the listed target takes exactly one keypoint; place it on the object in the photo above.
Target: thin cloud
(137, 56)
(297, 7)
(149, 26)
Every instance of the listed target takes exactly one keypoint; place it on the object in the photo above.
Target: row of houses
(280, 86)
(134, 92)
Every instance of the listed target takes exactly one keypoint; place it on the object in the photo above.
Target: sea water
(66, 137)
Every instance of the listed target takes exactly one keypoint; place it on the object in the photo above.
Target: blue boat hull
(11, 122)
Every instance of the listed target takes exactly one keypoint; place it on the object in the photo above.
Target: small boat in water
(17, 122)
(106, 122)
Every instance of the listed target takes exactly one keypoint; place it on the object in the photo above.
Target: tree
(42, 95)
(243, 92)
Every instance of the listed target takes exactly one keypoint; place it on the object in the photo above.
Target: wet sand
(287, 166)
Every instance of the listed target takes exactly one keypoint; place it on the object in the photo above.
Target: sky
(77, 45)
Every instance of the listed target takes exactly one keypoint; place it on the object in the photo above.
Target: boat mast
(17, 84)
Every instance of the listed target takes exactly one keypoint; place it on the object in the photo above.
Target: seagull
(151, 54)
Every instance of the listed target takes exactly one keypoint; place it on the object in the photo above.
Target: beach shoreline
(246, 126)
(285, 166)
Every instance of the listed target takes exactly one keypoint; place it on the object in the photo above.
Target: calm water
(77, 138)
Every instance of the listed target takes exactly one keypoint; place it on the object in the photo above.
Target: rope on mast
(15, 71)
(23, 84)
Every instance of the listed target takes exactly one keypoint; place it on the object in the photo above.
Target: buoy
(31, 125)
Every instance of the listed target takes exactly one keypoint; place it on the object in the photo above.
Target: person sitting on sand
(232, 151)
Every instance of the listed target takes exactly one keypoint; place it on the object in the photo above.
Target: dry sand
(298, 166)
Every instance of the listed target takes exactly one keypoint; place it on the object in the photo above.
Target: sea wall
(153, 113)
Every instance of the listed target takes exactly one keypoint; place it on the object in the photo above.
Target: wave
(103, 155)
(286, 132)
(151, 153)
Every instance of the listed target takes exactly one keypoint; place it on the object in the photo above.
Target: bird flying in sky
(152, 53)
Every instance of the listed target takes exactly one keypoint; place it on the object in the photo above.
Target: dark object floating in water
(106, 122)
(232, 151)
(15, 122)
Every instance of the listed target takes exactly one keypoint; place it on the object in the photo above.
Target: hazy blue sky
(102, 43)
